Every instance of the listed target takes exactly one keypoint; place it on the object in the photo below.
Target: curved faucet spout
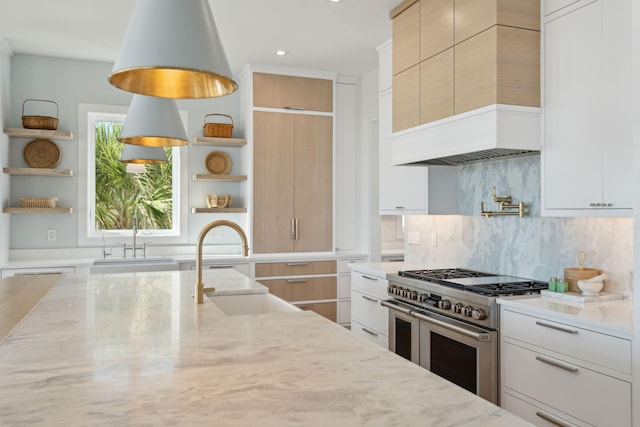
(199, 291)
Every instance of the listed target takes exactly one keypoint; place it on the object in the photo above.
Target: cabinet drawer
(279, 91)
(369, 284)
(367, 310)
(600, 349)
(535, 415)
(369, 333)
(344, 287)
(588, 395)
(302, 289)
(8, 272)
(295, 268)
(326, 309)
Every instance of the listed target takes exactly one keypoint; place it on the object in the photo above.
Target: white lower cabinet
(558, 373)
(8, 272)
(244, 268)
(369, 319)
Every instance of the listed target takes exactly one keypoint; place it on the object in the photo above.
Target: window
(112, 195)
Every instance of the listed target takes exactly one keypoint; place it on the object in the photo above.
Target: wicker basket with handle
(219, 130)
(572, 275)
(40, 122)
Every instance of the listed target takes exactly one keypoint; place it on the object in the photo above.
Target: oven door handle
(397, 307)
(478, 336)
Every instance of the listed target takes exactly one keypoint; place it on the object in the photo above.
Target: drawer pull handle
(369, 277)
(297, 281)
(370, 332)
(557, 328)
(552, 419)
(569, 368)
(219, 267)
(370, 299)
(297, 264)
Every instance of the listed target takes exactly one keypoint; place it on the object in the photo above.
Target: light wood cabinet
(496, 57)
(498, 66)
(586, 157)
(311, 285)
(292, 92)
(292, 172)
(554, 370)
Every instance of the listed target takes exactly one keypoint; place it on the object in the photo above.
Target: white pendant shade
(171, 49)
(153, 122)
(143, 155)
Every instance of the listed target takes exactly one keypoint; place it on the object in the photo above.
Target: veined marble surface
(134, 350)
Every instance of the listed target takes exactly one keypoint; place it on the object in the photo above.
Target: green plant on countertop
(119, 194)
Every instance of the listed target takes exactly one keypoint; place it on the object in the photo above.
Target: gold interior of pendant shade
(154, 141)
(141, 155)
(173, 83)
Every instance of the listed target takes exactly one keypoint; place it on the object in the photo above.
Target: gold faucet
(199, 291)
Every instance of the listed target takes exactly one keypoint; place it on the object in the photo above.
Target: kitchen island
(133, 349)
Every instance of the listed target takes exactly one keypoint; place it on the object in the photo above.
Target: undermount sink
(133, 265)
(233, 305)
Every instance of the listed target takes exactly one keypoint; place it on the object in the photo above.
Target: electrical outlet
(434, 239)
(217, 233)
(51, 234)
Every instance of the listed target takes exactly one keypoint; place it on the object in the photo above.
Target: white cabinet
(555, 371)
(369, 319)
(243, 268)
(8, 272)
(408, 190)
(344, 290)
(586, 159)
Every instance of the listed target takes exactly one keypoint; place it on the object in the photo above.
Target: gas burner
(443, 275)
(512, 288)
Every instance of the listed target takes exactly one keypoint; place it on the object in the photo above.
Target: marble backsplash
(534, 247)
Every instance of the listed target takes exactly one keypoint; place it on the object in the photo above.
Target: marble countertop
(133, 349)
(610, 317)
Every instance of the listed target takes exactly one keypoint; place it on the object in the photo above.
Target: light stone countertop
(609, 317)
(133, 349)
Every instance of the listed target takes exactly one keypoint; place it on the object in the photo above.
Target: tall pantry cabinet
(292, 183)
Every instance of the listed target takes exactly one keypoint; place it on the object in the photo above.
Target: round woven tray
(41, 153)
(218, 163)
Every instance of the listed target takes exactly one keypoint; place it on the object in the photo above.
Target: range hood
(493, 132)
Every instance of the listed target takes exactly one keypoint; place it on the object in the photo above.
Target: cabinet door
(402, 189)
(313, 183)
(273, 182)
(406, 39)
(436, 27)
(279, 91)
(406, 99)
(573, 124)
(436, 87)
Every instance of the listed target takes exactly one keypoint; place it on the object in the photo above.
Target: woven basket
(38, 202)
(39, 122)
(217, 130)
(573, 274)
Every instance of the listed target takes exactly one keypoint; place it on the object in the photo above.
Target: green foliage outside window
(120, 194)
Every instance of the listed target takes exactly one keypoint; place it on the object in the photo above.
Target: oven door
(404, 331)
(464, 354)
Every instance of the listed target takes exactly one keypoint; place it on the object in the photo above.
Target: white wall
(636, 211)
(5, 96)
(69, 82)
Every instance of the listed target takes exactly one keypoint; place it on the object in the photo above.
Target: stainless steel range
(446, 320)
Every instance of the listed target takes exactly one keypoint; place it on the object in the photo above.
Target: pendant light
(171, 49)
(153, 122)
(140, 154)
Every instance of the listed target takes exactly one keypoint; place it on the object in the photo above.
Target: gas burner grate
(512, 288)
(443, 274)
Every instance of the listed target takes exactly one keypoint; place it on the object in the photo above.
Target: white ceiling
(320, 35)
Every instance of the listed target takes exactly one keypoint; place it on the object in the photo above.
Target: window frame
(88, 114)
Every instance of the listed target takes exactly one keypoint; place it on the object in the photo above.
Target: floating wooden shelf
(211, 177)
(218, 210)
(38, 210)
(221, 142)
(60, 135)
(38, 171)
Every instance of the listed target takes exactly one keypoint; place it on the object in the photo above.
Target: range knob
(391, 289)
(413, 295)
(458, 308)
(467, 311)
(444, 304)
(478, 314)
(423, 297)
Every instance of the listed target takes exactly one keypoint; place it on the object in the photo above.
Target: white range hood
(487, 133)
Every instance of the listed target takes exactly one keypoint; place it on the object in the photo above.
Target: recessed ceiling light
(334, 1)
(281, 52)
